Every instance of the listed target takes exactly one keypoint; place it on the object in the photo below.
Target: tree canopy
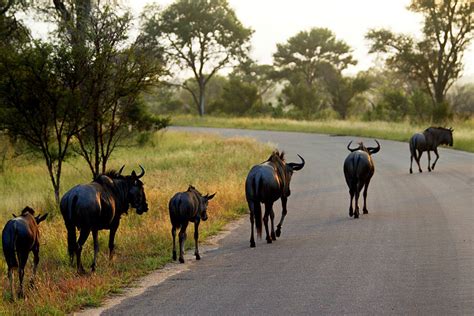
(200, 36)
(435, 61)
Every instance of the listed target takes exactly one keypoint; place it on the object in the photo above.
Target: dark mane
(277, 157)
(438, 128)
(107, 177)
(27, 210)
(191, 188)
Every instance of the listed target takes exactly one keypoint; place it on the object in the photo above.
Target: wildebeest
(20, 236)
(185, 207)
(358, 170)
(428, 141)
(99, 205)
(266, 183)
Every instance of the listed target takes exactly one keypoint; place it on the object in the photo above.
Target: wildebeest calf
(20, 236)
(358, 170)
(185, 207)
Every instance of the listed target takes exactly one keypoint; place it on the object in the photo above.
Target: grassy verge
(463, 131)
(172, 161)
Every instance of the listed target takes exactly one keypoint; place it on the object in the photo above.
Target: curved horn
(297, 166)
(121, 169)
(351, 149)
(373, 150)
(142, 173)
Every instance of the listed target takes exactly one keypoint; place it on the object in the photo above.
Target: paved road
(412, 254)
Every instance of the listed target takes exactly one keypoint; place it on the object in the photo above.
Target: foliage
(311, 62)
(113, 71)
(200, 36)
(35, 103)
(435, 61)
(461, 99)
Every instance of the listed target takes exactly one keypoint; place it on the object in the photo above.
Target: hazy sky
(274, 21)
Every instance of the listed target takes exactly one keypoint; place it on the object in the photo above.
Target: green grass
(143, 243)
(400, 131)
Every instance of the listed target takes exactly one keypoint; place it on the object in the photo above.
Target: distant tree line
(308, 79)
(90, 85)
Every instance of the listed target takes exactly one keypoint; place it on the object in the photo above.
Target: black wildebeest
(428, 141)
(99, 205)
(185, 207)
(266, 183)
(358, 170)
(20, 236)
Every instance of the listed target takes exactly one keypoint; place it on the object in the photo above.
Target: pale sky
(275, 21)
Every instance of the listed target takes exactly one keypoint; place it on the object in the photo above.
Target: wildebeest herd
(100, 204)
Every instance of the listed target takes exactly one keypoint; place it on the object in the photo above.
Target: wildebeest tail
(68, 206)
(9, 237)
(413, 147)
(257, 210)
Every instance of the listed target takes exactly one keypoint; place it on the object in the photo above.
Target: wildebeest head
(203, 202)
(446, 138)
(369, 150)
(29, 210)
(136, 193)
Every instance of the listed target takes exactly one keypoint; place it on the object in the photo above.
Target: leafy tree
(35, 103)
(462, 100)
(200, 36)
(435, 60)
(342, 89)
(302, 60)
(113, 71)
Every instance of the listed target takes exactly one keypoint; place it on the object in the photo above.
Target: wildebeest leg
(196, 237)
(71, 242)
(357, 194)
(437, 157)
(417, 159)
(283, 215)
(268, 211)
(23, 259)
(429, 161)
(351, 210)
(10, 279)
(82, 239)
(95, 237)
(182, 239)
(173, 233)
(411, 163)
(113, 230)
(252, 206)
(365, 198)
(35, 251)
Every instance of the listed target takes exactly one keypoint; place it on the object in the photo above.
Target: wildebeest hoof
(356, 215)
(174, 256)
(429, 169)
(273, 236)
(278, 232)
(181, 260)
(198, 257)
(366, 212)
(252, 244)
(351, 213)
(269, 240)
(411, 171)
(81, 271)
(420, 171)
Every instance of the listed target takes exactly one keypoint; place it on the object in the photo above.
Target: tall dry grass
(172, 161)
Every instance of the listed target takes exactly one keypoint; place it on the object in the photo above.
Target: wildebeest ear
(209, 197)
(41, 218)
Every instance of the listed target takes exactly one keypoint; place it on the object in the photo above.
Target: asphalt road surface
(412, 254)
